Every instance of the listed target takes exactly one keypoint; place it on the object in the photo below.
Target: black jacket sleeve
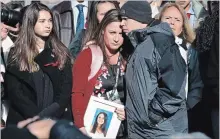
(195, 82)
(19, 98)
(64, 97)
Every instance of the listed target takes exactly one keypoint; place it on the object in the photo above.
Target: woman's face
(173, 16)
(101, 119)
(102, 9)
(4, 31)
(44, 24)
(113, 36)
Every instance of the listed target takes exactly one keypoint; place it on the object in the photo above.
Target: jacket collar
(138, 36)
(46, 56)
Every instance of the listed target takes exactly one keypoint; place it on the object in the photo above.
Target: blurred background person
(194, 10)
(70, 19)
(155, 6)
(11, 16)
(8, 18)
(97, 10)
(38, 76)
(50, 3)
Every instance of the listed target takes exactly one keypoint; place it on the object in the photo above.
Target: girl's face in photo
(44, 24)
(113, 36)
(101, 119)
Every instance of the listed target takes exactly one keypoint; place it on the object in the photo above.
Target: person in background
(184, 37)
(38, 76)
(50, 3)
(155, 76)
(207, 43)
(204, 3)
(14, 6)
(155, 5)
(194, 10)
(122, 2)
(103, 76)
(97, 10)
(6, 45)
(70, 19)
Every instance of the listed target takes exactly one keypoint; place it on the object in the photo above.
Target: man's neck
(187, 7)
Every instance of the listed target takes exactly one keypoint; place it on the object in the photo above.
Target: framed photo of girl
(100, 120)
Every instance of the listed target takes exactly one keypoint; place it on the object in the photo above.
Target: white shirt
(40, 49)
(6, 46)
(98, 135)
(184, 54)
(7, 43)
(154, 10)
(76, 11)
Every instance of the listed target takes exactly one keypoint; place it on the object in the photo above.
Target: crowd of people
(159, 59)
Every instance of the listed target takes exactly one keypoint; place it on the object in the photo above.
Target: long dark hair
(92, 18)
(25, 46)
(103, 126)
(111, 16)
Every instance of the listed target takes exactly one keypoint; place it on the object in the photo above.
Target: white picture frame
(98, 107)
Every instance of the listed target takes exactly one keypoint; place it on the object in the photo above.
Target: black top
(106, 81)
(44, 89)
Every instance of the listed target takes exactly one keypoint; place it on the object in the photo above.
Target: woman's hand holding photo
(121, 113)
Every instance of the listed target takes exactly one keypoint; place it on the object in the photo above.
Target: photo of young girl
(100, 124)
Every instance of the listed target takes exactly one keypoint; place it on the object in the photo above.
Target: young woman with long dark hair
(38, 76)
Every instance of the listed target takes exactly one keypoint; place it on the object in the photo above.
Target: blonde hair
(188, 32)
